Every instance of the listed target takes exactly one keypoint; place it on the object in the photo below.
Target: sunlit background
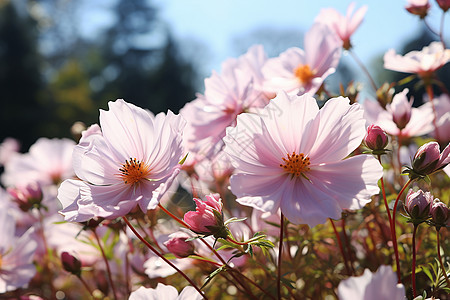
(62, 60)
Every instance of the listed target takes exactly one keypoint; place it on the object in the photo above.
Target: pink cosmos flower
(423, 62)
(372, 286)
(16, 254)
(294, 160)
(166, 292)
(298, 71)
(227, 94)
(400, 118)
(131, 162)
(343, 26)
(48, 161)
(418, 7)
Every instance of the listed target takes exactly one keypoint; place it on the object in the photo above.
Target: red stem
(108, 269)
(413, 272)
(383, 191)
(394, 236)
(162, 257)
(341, 248)
(348, 246)
(182, 223)
(86, 286)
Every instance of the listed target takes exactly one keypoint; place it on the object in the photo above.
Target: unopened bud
(376, 138)
(179, 246)
(439, 213)
(71, 263)
(418, 205)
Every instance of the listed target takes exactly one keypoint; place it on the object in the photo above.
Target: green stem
(439, 256)
(413, 271)
(279, 257)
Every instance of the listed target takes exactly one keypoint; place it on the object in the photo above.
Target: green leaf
(234, 219)
(212, 275)
(202, 258)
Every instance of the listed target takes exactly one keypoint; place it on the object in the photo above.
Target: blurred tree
(21, 114)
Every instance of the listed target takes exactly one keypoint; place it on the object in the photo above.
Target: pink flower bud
(426, 158)
(27, 196)
(439, 212)
(178, 245)
(400, 108)
(444, 4)
(418, 7)
(376, 138)
(418, 204)
(71, 263)
(207, 219)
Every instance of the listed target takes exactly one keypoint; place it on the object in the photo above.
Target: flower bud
(376, 138)
(439, 212)
(401, 108)
(418, 205)
(426, 158)
(418, 7)
(208, 217)
(444, 4)
(71, 263)
(27, 196)
(179, 246)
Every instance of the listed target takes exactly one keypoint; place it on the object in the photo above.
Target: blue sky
(387, 24)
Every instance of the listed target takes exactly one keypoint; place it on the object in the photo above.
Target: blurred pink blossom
(444, 4)
(16, 254)
(343, 26)
(423, 62)
(8, 149)
(442, 106)
(298, 71)
(166, 292)
(130, 163)
(49, 161)
(400, 113)
(227, 94)
(372, 286)
(294, 160)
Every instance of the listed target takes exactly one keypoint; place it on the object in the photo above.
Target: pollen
(134, 171)
(304, 73)
(296, 164)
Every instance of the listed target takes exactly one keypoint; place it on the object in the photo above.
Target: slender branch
(439, 256)
(361, 65)
(341, 248)
(162, 256)
(394, 236)
(413, 271)
(280, 250)
(430, 28)
(108, 269)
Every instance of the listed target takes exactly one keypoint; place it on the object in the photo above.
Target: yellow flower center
(304, 73)
(134, 171)
(296, 164)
